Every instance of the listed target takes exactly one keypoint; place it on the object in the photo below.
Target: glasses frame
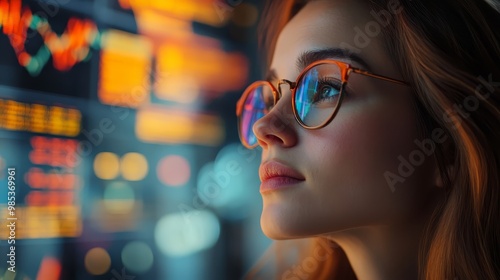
(345, 70)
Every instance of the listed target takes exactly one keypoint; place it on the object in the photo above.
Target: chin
(281, 227)
(274, 227)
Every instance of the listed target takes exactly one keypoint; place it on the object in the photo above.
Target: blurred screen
(119, 153)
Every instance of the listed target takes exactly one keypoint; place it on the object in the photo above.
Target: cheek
(367, 139)
(353, 153)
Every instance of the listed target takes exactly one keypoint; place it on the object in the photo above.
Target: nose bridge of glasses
(291, 86)
(280, 94)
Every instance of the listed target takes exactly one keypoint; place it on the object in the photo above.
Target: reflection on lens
(317, 94)
(305, 93)
(254, 108)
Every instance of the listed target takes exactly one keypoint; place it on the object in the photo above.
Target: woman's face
(344, 166)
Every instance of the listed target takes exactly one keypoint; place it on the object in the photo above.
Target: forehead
(329, 24)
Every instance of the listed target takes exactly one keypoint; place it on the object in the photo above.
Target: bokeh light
(186, 233)
(177, 88)
(50, 269)
(137, 257)
(106, 165)
(161, 124)
(134, 166)
(173, 170)
(97, 261)
(119, 197)
(229, 181)
(125, 69)
(135, 101)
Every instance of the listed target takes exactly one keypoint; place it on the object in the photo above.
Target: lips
(275, 175)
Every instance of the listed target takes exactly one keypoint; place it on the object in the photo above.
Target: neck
(382, 253)
(388, 251)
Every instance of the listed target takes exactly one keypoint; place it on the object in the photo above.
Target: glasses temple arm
(366, 73)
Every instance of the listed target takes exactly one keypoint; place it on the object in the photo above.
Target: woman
(379, 128)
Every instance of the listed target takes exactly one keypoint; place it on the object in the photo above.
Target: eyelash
(336, 84)
(331, 82)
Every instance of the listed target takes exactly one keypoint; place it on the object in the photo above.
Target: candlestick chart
(115, 116)
(74, 45)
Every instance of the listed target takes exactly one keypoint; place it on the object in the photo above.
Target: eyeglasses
(316, 97)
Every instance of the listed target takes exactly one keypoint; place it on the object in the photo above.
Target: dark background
(130, 207)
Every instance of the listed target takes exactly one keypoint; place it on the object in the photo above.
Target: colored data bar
(152, 24)
(38, 118)
(53, 180)
(54, 152)
(52, 198)
(50, 206)
(126, 61)
(44, 222)
(204, 11)
(156, 124)
(58, 185)
(66, 50)
(185, 67)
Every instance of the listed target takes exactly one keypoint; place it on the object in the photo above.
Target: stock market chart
(118, 150)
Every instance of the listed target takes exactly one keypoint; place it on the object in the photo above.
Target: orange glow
(37, 118)
(152, 23)
(51, 205)
(134, 166)
(125, 69)
(204, 11)
(44, 222)
(67, 49)
(38, 179)
(213, 69)
(106, 166)
(97, 261)
(55, 152)
(39, 198)
(177, 88)
(50, 269)
(157, 124)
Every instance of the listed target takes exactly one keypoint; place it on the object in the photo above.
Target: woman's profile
(379, 128)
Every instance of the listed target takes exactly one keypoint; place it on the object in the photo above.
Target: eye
(327, 90)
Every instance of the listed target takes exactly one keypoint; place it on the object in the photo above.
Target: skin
(345, 195)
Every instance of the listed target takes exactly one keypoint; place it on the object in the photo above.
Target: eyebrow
(308, 57)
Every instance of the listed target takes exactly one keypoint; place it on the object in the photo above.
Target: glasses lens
(257, 104)
(318, 94)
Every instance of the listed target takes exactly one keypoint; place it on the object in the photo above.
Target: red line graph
(67, 49)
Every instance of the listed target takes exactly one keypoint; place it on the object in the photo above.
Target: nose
(278, 127)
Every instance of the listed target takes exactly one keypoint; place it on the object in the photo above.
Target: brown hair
(449, 51)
